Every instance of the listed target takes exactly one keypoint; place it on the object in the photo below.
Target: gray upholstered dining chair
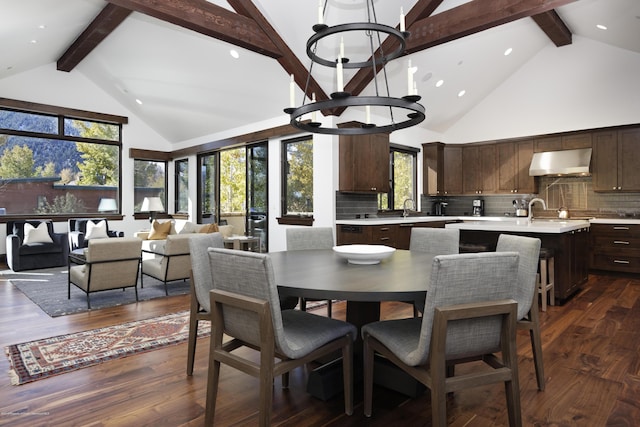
(434, 241)
(470, 312)
(526, 296)
(306, 239)
(201, 282)
(245, 306)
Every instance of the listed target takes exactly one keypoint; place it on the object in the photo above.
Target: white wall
(584, 85)
(46, 85)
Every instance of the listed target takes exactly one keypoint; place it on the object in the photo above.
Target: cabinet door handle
(384, 238)
(384, 229)
(620, 261)
(620, 242)
(620, 228)
(407, 225)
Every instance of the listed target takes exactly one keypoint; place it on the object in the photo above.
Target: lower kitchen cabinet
(395, 235)
(615, 247)
(571, 255)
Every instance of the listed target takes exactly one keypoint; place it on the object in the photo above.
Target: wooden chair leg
(552, 297)
(536, 345)
(212, 391)
(193, 337)
(329, 307)
(543, 283)
(347, 375)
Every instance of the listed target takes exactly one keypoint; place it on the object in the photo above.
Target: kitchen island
(569, 240)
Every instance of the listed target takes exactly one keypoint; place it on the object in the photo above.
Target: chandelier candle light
(407, 107)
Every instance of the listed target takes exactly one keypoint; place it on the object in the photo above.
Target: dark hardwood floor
(591, 359)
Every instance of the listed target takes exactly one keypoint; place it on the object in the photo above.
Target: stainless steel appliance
(439, 208)
(478, 207)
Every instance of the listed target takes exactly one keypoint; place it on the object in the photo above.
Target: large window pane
(297, 177)
(402, 180)
(207, 185)
(149, 181)
(28, 122)
(182, 186)
(48, 176)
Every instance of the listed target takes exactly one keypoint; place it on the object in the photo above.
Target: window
(182, 186)
(297, 177)
(149, 180)
(207, 194)
(402, 179)
(51, 164)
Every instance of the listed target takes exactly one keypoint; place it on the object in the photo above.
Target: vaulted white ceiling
(190, 86)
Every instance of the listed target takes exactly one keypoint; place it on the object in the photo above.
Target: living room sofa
(165, 249)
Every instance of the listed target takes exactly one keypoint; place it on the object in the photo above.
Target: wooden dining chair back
(201, 282)
(434, 241)
(526, 293)
(299, 239)
(246, 307)
(470, 311)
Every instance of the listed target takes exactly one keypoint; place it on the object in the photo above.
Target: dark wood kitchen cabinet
(479, 172)
(616, 160)
(452, 161)
(615, 247)
(442, 169)
(514, 159)
(395, 235)
(364, 163)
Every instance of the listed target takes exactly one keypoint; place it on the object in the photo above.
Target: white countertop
(495, 223)
(523, 225)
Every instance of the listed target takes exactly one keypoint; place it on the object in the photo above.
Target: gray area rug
(48, 289)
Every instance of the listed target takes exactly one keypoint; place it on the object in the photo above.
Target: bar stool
(546, 277)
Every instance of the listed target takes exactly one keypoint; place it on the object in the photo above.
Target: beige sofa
(168, 259)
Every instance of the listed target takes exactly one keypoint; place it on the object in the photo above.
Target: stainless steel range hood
(561, 163)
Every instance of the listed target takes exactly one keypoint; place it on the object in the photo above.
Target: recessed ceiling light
(461, 93)
(34, 41)
(234, 54)
(138, 101)
(439, 83)
(601, 27)
(42, 26)
(508, 51)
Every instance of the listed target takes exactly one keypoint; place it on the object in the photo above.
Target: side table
(246, 243)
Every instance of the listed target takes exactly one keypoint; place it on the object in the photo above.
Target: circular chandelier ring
(327, 31)
(416, 114)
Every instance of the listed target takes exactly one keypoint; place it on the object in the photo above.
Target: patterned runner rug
(35, 360)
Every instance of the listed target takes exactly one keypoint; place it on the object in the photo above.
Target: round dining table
(323, 274)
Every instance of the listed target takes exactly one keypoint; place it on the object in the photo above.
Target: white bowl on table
(364, 254)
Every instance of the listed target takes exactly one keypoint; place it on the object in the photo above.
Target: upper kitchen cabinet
(514, 159)
(452, 181)
(433, 169)
(616, 160)
(364, 163)
(479, 173)
(442, 169)
(563, 142)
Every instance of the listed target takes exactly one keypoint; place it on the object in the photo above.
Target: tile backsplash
(574, 193)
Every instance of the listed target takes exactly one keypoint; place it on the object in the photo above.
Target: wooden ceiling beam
(208, 19)
(289, 61)
(473, 17)
(103, 24)
(553, 26)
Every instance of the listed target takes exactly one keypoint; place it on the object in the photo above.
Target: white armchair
(167, 260)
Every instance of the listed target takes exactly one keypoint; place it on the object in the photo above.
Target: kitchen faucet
(530, 213)
(405, 210)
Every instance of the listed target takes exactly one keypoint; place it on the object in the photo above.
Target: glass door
(257, 194)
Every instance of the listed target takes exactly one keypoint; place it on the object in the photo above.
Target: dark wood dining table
(322, 274)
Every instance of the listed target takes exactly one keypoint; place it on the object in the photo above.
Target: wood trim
(69, 112)
(140, 154)
(296, 220)
(261, 135)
